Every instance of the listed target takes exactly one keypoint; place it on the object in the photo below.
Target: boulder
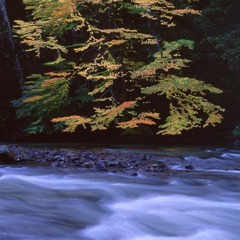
(6, 155)
(88, 164)
(189, 166)
(101, 165)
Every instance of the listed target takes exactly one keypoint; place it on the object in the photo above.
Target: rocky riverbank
(116, 160)
(102, 160)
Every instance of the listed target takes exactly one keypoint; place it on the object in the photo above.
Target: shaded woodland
(125, 71)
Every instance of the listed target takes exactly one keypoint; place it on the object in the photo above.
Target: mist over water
(42, 203)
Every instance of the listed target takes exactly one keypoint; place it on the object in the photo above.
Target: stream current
(44, 203)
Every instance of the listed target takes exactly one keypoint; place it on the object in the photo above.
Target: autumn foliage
(111, 64)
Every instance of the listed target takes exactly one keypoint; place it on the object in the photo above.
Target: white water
(38, 203)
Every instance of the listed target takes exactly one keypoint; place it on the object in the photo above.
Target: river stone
(101, 165)
(134, 174)
(112, 163)
(6, 155)
(189, 166)
(55, 164)
(88, 164)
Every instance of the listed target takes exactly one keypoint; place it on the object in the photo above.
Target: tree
(11, 74)
(114, 63)
(9, 57)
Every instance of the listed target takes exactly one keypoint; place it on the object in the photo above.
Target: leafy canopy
(110, 63)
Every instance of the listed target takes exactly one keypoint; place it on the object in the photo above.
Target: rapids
(45, 203)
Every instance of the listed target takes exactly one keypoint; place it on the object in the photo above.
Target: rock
(132, 164)
(122, 164)
(101, 165)
(88, 164)
(58, 158)
(87, 155)
(62, 164)
(144, 157)
(70, 154)
(78, 161)
(190, 166)
(7, 156)
(113, 164)
(55, 164)
(93, 157)
(157, 167)
(134, 174)
(138, 157)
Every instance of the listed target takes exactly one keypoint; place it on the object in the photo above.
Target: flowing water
(44, 203)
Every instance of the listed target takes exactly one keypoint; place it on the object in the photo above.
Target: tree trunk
(10, 68)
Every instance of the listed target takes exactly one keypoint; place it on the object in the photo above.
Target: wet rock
(122, 164)
(78, 162)
(151, 169)
(55, 158)
(87, 155)
(189, 166)
(102, 161)
(93, 157)
(156, 167)
(62, 164)
(53, 153)
(70, 154)
(134, 174)
(101, 165)
(58, 158)
(55, 164)
(144, 158)
(7, 156)
(131, 167)
(113, 164)
(48, 158)
(88, 164)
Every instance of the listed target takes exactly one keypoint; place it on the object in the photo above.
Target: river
(46, 203)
